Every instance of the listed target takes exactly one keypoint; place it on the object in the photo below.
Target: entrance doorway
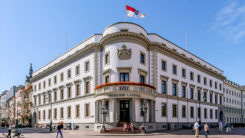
(124, 111)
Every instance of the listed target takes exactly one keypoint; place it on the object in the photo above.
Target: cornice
(131, 37)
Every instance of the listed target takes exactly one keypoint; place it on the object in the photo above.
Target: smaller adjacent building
(3, 112)
(233, 101)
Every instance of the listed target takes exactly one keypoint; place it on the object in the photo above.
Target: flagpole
(186, 43)
(125, 16)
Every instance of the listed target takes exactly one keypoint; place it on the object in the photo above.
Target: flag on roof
(132, 12)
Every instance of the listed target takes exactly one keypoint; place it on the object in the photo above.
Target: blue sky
(35, 31)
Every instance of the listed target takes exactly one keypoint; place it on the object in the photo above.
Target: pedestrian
(228, 127)
(132, 126)
(206, 130)
(196, 129)
(220, 126)
(60, 130)
(10, 130)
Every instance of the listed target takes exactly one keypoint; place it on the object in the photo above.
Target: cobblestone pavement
(43, 133)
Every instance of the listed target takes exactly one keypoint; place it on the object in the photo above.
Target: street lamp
(49, 99)
(199, 99)
(143, 110)
(103, 111)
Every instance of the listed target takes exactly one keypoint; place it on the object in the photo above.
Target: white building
(123, 68)
(232, 102)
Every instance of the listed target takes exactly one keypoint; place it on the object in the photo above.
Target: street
(44, 133)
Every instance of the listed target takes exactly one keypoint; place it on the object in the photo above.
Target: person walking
(196, 128)
(60, 129)
(206, 130)
(220, 126)
(228, 127)
(10, 130)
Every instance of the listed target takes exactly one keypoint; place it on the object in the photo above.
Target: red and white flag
(132, 12)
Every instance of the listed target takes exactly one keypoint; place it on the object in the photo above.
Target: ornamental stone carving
(124, 53)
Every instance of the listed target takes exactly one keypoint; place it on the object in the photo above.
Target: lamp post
(49, 99)
(199, 99)
(143, 110)
(103, 111)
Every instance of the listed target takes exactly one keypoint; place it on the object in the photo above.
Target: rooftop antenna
(186, 40)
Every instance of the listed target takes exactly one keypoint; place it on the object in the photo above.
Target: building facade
(233, 102)
(135, 76)
(3, 106)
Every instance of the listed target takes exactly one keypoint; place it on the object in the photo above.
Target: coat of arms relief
(124, 53)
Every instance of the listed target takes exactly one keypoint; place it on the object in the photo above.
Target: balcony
(121, 87)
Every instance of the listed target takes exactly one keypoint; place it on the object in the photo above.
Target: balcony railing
(125, 87)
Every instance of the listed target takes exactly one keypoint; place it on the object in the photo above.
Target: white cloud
(230, 22)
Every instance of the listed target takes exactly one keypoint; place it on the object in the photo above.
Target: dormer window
(124, 30)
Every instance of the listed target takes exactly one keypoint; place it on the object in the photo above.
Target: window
(107, 58)
(44, 99)
(220, 86)
(205, 81)
(210, 83)
(87, 87)
(44, 115)
(77, 111)
(142, 79)
(39, 99)
(107, 79)
(164, 87)
(69, 74)
(124, 76)
(49, 113)
(216, 99)
(49, 82)
(211, 97)
(191, 76)
(55, 79)
(55, 96)
(39, 86)
(39, 115)
(183, 91)
(61, 76)
(198, 78)
(220, 101)
(192, 112)
(44, 84)
(183, 73)
(191, 93)
(77, 69)
(211, 113)
(163, 65)
(205, 96)
(61, 94)
(69, 112)
(142, 58)
(69, 92)
(215, 85)
(61, 112)
(86, 66)
(49, 98)
(174, 110)
(205, 112)
(174, 86)
(164, 109)
(87, 110)
(35, 100)
(174, 69)
(183, 111)
(55, 113)
(77, 89)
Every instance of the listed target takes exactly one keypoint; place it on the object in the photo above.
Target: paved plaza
(44, 133)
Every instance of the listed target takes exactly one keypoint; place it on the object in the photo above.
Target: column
(153, 112)
(103, 115)
(132, 113)
(96, 112)
(114, 110)
(145, 115)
